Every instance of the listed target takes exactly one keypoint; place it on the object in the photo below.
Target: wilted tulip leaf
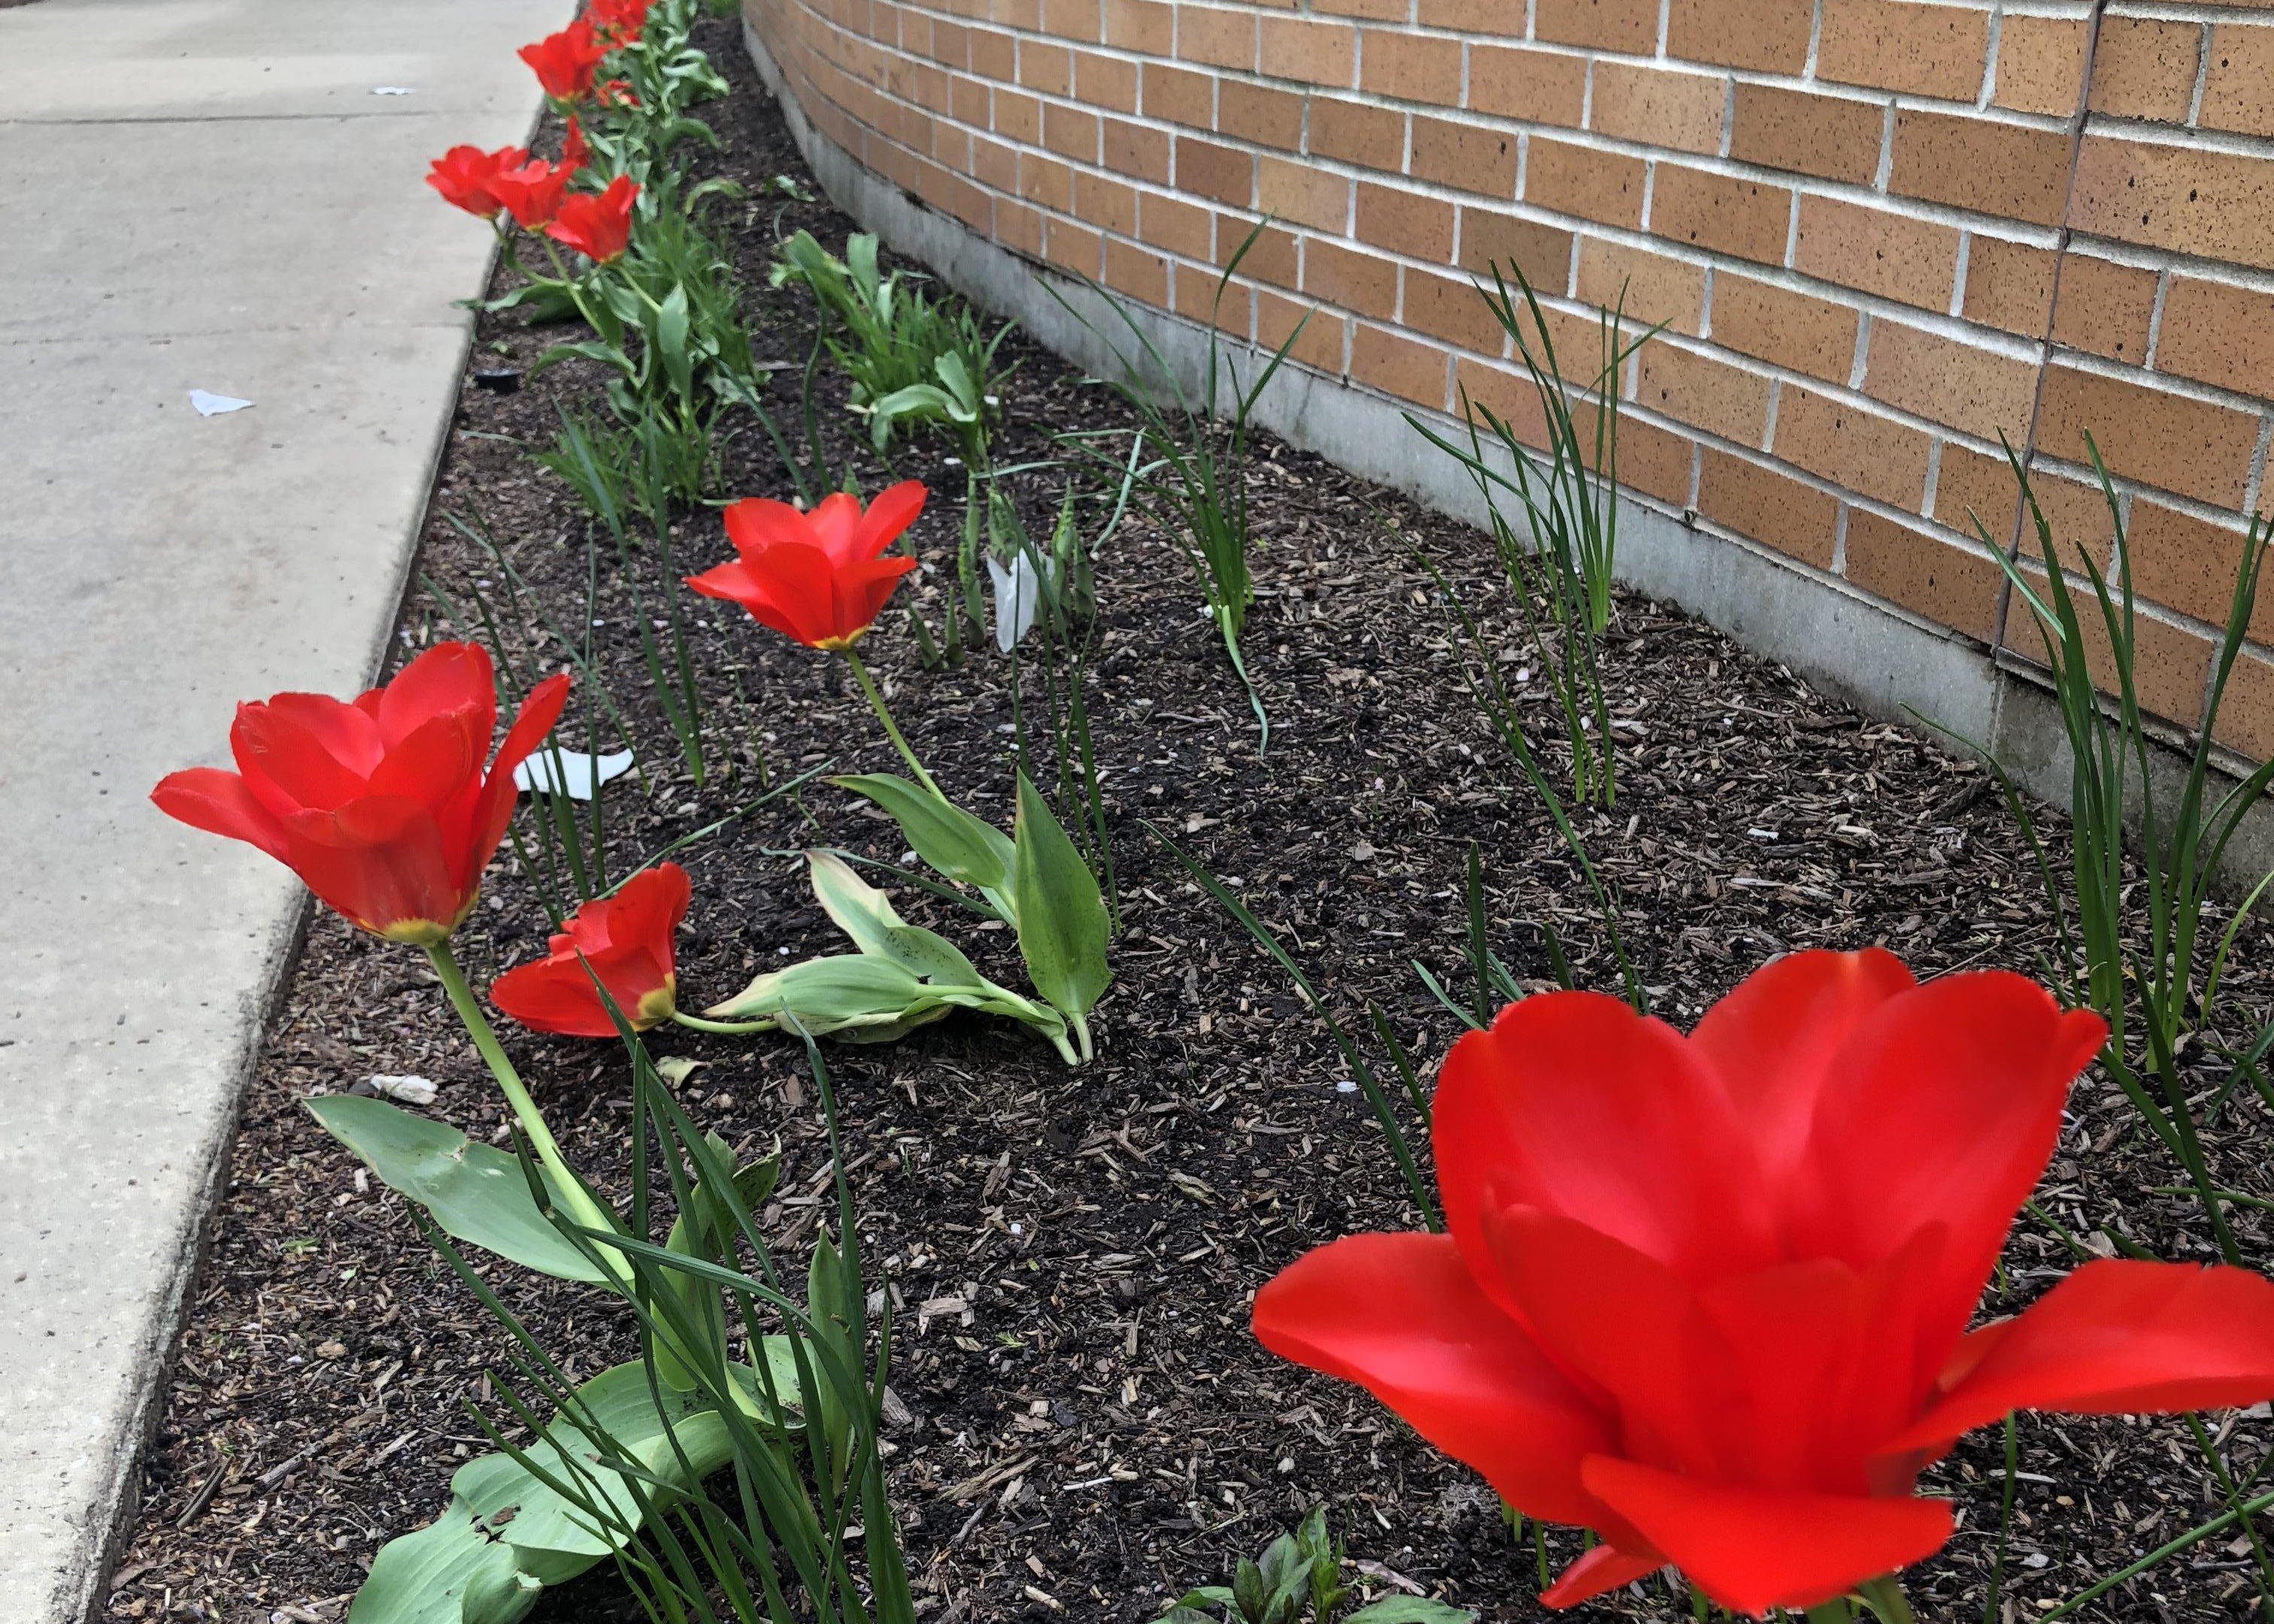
(1410, 1610)
(1061, 914)
(477, 1192)
(867, 915)
(958, 845)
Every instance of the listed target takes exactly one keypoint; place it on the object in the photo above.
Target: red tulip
(627, 940)
(564, 62)
(464, 176)
(598, 225)
(533, 193)
(617, 21)
(1707, 1296)
(575, 152)
(817, 578)
(616, 93)
(381, 806)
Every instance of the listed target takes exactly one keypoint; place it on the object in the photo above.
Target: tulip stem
(570, 1188)
(1886, 1598)
(730, 1028)
(891, 728)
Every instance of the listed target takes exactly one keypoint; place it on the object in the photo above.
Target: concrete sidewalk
(198, 194)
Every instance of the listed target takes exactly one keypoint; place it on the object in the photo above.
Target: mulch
(1091, 1428)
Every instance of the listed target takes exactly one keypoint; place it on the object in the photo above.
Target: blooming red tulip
(617, 21)
(576, 152)
(816, 577)
(532, 194)
(598, 225)
(627, 940)
(1708, 1296)
(564, 62)
(381, 806)
(464, 176)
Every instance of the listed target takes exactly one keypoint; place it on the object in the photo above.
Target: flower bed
(1082, 1424)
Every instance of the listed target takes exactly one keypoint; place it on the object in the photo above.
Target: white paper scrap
(577, 773)
(211, 405)
(391, 90)
(1018, 590)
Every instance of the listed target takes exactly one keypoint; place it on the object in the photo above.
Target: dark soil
(1094, 1429)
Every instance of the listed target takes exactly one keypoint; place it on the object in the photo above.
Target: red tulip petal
(379, 862)
(2117, 1337)
(1773, 1038)
(646, 911)
(732, 581)
(218, 803)
(890, 514)
(861, 590)
(449, 676)
(348, 733)
(1753, 1549)
(553, 994)
(1574, 1104)
(1398, 1315)
(1947, 1110)
(756, 522)
(833, 526)
(436, 761)
(1598, 1573)
(1627, 1325)
(491, 807)
(285, 767)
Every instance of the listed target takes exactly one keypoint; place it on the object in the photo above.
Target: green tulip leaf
(958, 845)
(477, 1192)
(1062, 925)
(867, 915)
(1411, 1610)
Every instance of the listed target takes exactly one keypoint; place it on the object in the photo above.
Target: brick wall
(1882, 233)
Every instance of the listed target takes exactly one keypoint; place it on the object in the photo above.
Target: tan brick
(1950, 381)
(1855, 449)
(994, 164)
(1924, 50)
(1398, 365)
(1515, 81)
(1133, 149)
(1202, 296)
(2041, 63)
(1273, 255)
(1106, 204)
(1955, 586)
(1543, 252)
(1693, 388)
(2174, 444)
(1102, 81)
(1628, 25)
(2217, 204)
(2074, 509)
(1372, 138)
(1767, 36)
(1658, 107)
(1773, 508)
(1045, 181)
(1373, 10)
(1145, 26)
(1073, 247)
(1471, 17)
(1651, 288)
(996, 56)
(2009, 285)
(1450, 308)
(2143, 68)
(2104, 307)
(1413, 67)
(1361, 283)
(1072, 19)
(1405, 221)
(1464, 157)
(1045, 68)
(1835, 137)
(1136, 273)
(1985, 164)
(1221, 36)
(1894, 255)
(1973, 485)
(1602, 186)
(2189, 564)
(2170, 665)
(1654, 460)
(1730, 213)
(1306, 49)
(1070, 132)
(1319, 344)
(1262, 114)
(2239, 82)
(1504, 390)
(2246, 710)
(1171, 223)
(2219, 333)
(1176, 96)
(1019, 228)
(1794, 330)
(1302, 192)
(1223, 173)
